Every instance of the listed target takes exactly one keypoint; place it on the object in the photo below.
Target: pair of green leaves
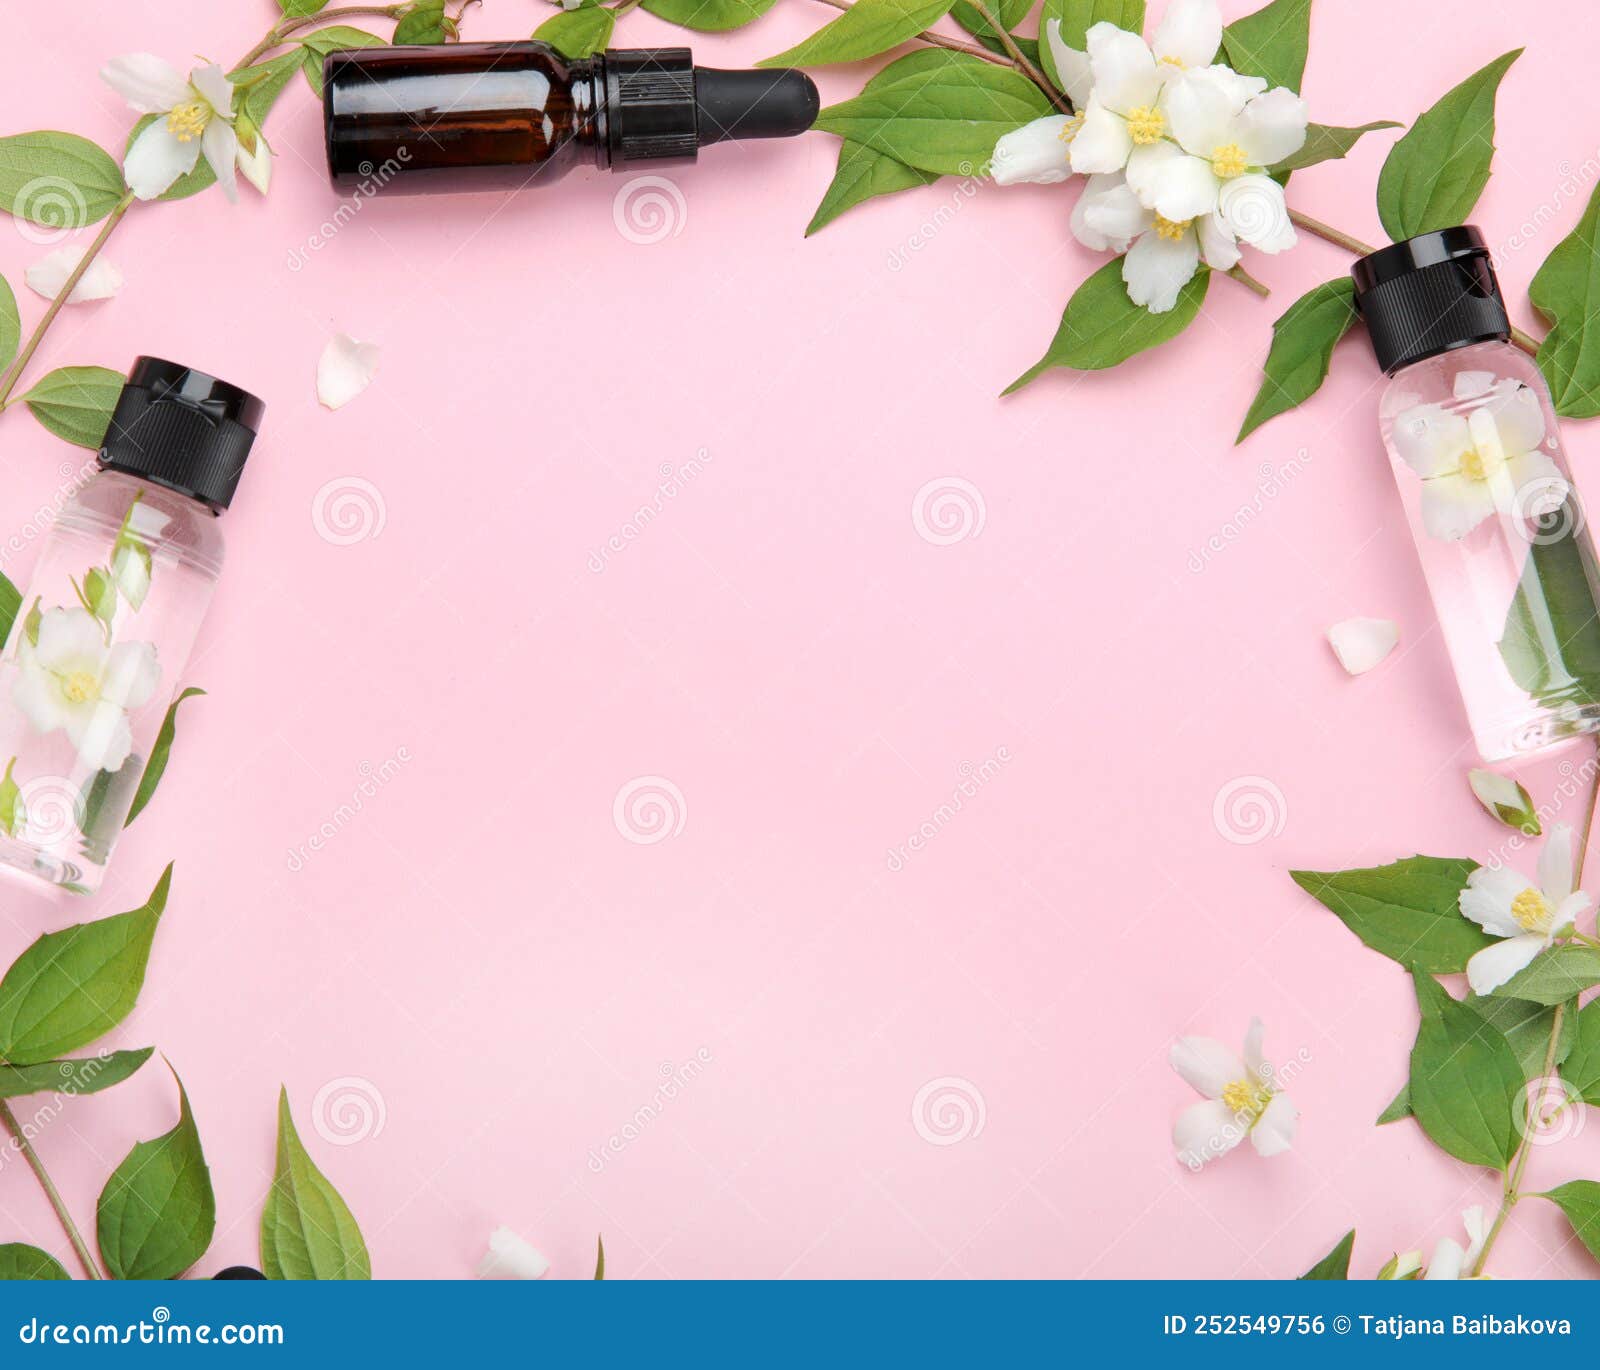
(866, 29)
(580, 32)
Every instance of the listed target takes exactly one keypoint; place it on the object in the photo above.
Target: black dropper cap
(183, 429)
(1428, 295)
(661, 107)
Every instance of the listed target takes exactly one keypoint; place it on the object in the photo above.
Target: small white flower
(1242, 1100)
(1361, 643)
(49, 274)
(1505, 799)
(1481, 462)
(256, 166)
(1528, 917)
(193, 116)
(70, 679)
(1226, 130)
(1040, 152)
(1124, 112)
(1161, 255)
(1450, 1260)
(345, 369)
(511, 1258)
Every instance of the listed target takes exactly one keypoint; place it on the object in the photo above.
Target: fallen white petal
(511, 1258)
(47, 275)
(345, 369)
(1361, 643)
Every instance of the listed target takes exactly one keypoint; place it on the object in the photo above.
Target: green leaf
(75, 403)
(1464, 1082)
(1433, 176)
(1408, 910)
(58, 180)
(160, 751)
(579, 33)
(945, 118)
(1327, 143)
(307, 1231)
(87, 1075)
(299, 9)
(1555, 976)
(1010, 13)
(1271, 43)
(1581, 1069)
(10, 604)
(21, 1262)
(426, 23)
(1551, 641)
(709, 16)
(1580, 1201)
(867, 28)
(340, 38)
(1336, 1264)
(263, 83)
(600, 1259)
(72, 986)
(1101, 327)
(11, 808)
(157, 1212)
(1077, 17)
(1302, 348)
(10, 325)
(1566, 290)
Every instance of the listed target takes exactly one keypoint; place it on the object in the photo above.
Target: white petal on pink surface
(1361, 643)
(345, 369)
(511, 1258)
(49, 274)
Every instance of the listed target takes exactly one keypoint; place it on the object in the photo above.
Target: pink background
(511, 977)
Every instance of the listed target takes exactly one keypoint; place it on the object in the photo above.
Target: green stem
(1239, 274)
(280, 34)
(9, 1120)
(1526, 341)
(1019, 58)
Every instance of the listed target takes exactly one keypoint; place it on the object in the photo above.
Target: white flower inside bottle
(99, 639)
(1499, 527)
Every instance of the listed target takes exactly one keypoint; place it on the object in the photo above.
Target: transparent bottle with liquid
(1498, 523)
(101, 635)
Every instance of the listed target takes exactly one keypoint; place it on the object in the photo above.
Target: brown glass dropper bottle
(486, 116)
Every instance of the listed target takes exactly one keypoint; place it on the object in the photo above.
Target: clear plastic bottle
(1498, 523)
(109, 618)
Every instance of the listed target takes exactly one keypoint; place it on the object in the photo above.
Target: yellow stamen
(1172, 62)
(1244, 1096)
(1229, 160)
(1146, 124)
(79, 687)
(1171, 229)
(1476, 466)
(188, 121)
(1069, 130)
(1531, 910)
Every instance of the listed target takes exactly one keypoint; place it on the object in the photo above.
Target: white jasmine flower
(195, 116)
(1452, 1262)
(1226, 130)
(1162, 254)
(255, 164)
(1361, 643)
(1124, 112)
(49, 274)
(345, 369)
(1478, 463)
(1040, 152)
(70, 679)
(511, 1258)
(1505, 799)
(1242, 1100)
(1528, 917)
